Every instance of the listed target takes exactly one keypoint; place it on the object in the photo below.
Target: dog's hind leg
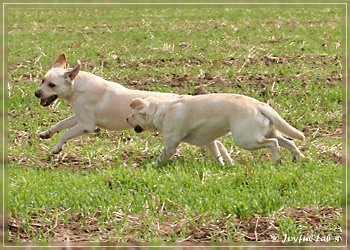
(78, 130)
(215, 152)
(271, 143)
(288, 144)
(65, 124)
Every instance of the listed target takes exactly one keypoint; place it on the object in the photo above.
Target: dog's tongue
(44, 102)
(48, 101)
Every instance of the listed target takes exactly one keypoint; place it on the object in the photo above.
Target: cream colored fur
(200, 120)
(95, 101)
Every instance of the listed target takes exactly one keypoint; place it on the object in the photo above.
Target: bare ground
(85, 228)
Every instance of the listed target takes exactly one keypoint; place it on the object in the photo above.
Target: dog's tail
(280, 124)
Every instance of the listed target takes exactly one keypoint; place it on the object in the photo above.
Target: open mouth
(138, 129)
(47, 101)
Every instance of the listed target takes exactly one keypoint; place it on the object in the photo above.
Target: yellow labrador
(199, 120)
(95, 101)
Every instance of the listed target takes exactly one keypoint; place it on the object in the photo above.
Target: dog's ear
(60, 62)
(137, 104)
(142, 112)
(72, 73)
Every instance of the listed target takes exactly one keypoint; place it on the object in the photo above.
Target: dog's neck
(151, 120)
(86, 81)
(158, 113)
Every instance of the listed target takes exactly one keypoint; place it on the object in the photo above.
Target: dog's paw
(298, 157)
(56, 150)
(158, 164)
(231, 163)
(45, 135)
(277, 162)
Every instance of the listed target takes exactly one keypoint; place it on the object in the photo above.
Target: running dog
(95, 101)
(200, 120)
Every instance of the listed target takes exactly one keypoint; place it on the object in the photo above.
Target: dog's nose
(37, 93)
(138, 129)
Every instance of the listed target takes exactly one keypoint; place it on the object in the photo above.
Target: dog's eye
(51, 85)
(42, 81)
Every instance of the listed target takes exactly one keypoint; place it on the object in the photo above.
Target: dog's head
(141, 118)
(57, 83)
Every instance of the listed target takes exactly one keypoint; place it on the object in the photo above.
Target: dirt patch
(238, 77)
(77, 227)
(234, 61)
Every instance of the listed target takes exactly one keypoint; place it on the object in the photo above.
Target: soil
(86, 228)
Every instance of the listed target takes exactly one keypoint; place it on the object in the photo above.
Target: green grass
(289, 57)
(216, 189)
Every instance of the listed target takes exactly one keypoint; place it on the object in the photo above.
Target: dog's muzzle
(138, 129)
(37, 93)
(45, 101)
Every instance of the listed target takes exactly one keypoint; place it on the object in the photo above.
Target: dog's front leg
(76, 131)
(224, 153)
(65, 124)
(167, 152)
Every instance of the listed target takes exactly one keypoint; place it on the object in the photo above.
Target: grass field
(103, 187)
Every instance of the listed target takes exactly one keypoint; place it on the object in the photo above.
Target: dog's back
(218, 110)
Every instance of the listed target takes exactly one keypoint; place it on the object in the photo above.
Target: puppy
(95, 101)
(199, 120)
